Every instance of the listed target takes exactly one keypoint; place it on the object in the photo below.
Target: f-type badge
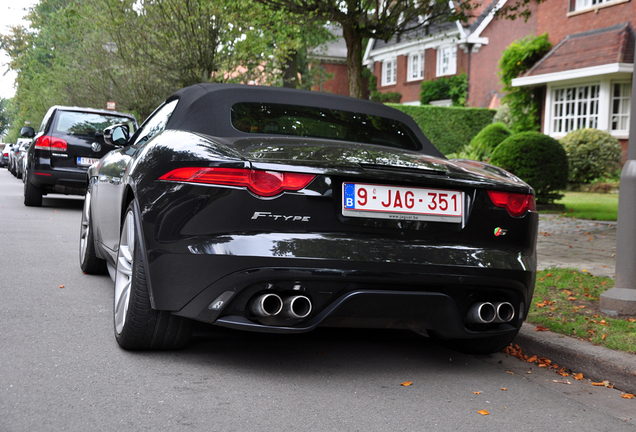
(96, 147)
(292, 218)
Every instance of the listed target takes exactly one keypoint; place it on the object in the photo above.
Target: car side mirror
(116, 135)
(27, 132)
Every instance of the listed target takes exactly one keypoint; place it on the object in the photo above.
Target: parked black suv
(70, 139)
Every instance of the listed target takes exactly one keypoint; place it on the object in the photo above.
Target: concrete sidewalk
(589, 245)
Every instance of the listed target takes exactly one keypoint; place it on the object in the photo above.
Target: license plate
(402, 203)
(85, 161)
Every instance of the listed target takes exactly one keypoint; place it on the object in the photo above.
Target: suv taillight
(50, 143)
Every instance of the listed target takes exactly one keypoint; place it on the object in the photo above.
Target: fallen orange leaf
(532, 359)
(604, 336)
(578, 376)
(406, 383)
(511, 373)
(61, 286)
(627, 396)
(631, 320)
(540, 328)
(476, 393)
(483, 412)
(504, 389)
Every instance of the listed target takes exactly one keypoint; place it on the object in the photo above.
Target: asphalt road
(61, 369)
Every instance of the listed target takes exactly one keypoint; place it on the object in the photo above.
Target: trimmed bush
(391, 97)
(450, 129)
(454, 87)
(591, 154)
(483, 144)
(537, 159)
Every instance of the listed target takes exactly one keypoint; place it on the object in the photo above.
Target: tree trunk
(353, 39)
(290, 72)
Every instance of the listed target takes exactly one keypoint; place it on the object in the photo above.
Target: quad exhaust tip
(266, 305)
(271, 305)
(486, 312)
(297, 307)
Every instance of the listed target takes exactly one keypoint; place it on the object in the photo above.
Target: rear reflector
(262, 183)
(50, 143)
(516, 203)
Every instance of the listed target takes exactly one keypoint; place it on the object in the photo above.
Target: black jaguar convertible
(277, 210)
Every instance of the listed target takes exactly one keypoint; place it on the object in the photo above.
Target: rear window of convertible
(280, 119)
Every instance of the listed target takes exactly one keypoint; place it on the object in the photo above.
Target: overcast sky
(11, 14)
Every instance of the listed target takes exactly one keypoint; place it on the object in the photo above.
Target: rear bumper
(420, 287)
(63, 181)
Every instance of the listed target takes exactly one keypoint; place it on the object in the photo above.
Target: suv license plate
(84, 161)
(402, 203)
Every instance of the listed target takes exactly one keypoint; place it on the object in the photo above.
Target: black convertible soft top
(206, 108)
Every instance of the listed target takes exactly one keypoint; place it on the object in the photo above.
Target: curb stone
(594, 362)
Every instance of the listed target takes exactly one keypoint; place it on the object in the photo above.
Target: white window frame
(415, 66)
(620, 107)
(575, 107)
(389, 71)
(581, 5)
(447, 60)
(605, 106)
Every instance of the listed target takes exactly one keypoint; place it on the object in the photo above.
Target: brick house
(586, 77)
(332, 58)
(438, 50)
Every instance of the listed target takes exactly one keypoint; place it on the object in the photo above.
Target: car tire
(89, 262)
(483, 345)
(137, 325)
(32, 194)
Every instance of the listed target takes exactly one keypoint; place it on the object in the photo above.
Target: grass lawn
(586, 205)
(566, 301)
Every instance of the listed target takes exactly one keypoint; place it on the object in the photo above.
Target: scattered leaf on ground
(504, 389)
(483, 412)
(627, 396)
(406, 383)
(476, 393)
(540, 328)
(578, 376)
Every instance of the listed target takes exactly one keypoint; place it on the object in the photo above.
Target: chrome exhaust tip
(266, 305)
(505, 312)
(296, 307)
(481, 313)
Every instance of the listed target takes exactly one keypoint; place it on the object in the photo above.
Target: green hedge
(449, 128)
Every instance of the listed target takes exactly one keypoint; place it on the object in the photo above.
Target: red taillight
(516, 203)
(50, 143)
(262, 183)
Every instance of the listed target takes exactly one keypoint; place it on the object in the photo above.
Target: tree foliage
(137, 52)
(379, 19)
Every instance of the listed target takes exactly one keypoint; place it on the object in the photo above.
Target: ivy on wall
(523, 102)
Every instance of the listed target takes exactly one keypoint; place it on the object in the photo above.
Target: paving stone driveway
(582, 244)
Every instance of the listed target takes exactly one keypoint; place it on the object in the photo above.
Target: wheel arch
(129, 197)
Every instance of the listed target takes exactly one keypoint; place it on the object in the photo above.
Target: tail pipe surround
(273, 305)
(486, 312)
